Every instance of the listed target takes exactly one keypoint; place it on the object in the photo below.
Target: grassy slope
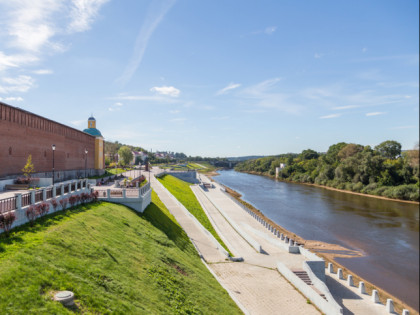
(114, 260)
(181, 190)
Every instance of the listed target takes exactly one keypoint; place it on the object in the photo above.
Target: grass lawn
(181, 190)
(114, 260)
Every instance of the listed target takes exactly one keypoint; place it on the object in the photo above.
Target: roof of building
(93, 132)
(92, 118)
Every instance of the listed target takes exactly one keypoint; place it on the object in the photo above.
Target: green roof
(93, 131)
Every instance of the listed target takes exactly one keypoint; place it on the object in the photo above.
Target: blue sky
(217, 78)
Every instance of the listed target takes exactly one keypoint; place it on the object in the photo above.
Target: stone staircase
(303, 275)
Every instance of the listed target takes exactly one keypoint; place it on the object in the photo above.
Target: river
(387, 232)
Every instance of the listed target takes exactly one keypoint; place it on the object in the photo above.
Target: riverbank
(329, 252)
(334, 189)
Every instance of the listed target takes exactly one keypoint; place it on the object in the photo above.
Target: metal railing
(49, 193)
(26, 199)
(38, 196)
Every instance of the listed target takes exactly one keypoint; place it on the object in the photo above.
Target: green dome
(93, 131)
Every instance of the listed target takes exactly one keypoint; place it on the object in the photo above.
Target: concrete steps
(303, 275)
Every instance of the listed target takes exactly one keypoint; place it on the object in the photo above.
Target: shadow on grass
(161, 221)
(41, 224)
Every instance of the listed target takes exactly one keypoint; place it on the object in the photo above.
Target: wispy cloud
(77, 123)
(21, 83)
(147, 98)
(166, 90)
(220, 118)
(43, 71)
(375, 113)
(155, 15)
(230, 86)
(83, 13)
(268, 30)
(266, 95)
(11, 99)
(404, 127)
(115, 107)
(345, 107)
(318, 55)
(330, 116)
(178, 119)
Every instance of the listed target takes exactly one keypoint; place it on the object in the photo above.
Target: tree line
(384, 170)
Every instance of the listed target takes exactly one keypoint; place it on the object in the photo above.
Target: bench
(17, 187)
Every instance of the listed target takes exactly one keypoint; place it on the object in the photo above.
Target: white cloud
(229, 87)
(118, 104)
(166, 90)
(43, 71)
(220, 118)
(178, 119)
(11, 99)
(403, 127)
(15, 61)
(175, 111)
(345, 107)
(364, 49)
(270, 30)
(375, 113)
(147, 98)
(77, 123)
(83, 13)
(317, 55)
(22, 84)
(154, 16)
(264, 95)
(330, 116)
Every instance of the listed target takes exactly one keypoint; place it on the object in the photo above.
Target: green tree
(125, 153)
(29, 168)
(389, 149)
(309, 154)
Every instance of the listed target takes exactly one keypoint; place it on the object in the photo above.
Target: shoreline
(317, 246)
(334, 189)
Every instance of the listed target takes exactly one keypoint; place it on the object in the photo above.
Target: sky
(216, 77)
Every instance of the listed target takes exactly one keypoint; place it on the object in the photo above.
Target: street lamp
(53, 149)
(86, 152)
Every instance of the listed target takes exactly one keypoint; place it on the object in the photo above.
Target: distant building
(139, 155)
(279, 169)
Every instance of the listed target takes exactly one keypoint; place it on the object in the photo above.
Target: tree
(349, 150)
(309, 154)
(29, 168)
(389, 149)
(126, 155)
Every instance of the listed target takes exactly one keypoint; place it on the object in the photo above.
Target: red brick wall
(23, 133)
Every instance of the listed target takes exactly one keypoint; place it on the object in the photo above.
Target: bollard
(282, 236)
(290, 242)
(350, 280)
(362, 288)
(375, 296)
(295, 243)
(278, 233)
(340, 273)
(330, 268)
(405, 312)
(389, 306)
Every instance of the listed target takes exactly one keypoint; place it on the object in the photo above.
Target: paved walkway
(255, 283)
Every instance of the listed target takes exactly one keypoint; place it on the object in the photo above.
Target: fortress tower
(99, 143)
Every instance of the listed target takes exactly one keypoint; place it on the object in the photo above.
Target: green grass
(114, 260)
(181, 190)
(110, 172)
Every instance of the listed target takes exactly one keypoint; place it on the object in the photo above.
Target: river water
(387, 232)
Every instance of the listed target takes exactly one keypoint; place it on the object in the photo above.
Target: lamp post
(86, 152)
(53, 149)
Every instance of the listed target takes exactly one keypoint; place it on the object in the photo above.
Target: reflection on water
(386, 231)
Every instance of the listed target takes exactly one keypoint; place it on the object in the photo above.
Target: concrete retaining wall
(241, 232)
(187, 176)
(325, 306)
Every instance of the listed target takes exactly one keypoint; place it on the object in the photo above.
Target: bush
(94, 195)
(72, 200)
(357, 187)
(6, 221)
(54, 203)
(44, 207)
(32, 213)
(63, 203)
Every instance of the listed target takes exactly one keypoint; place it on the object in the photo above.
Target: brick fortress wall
(23, 133)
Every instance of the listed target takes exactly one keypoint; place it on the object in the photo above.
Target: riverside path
(256, 285)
